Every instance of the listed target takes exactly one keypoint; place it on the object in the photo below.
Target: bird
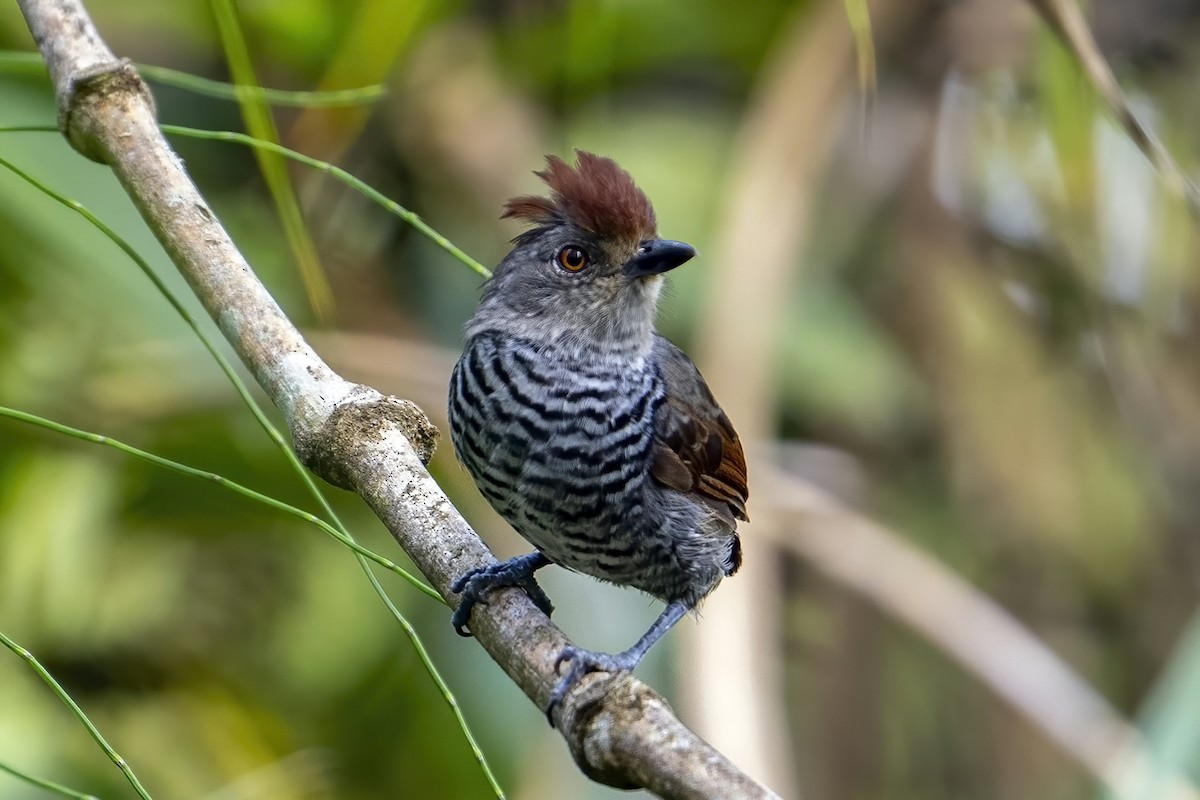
(591, 434)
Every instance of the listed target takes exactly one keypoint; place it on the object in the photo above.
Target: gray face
(565, 285)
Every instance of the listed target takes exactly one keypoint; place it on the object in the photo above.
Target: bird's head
(589, 271)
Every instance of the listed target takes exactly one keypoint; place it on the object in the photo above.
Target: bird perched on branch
(592, 435)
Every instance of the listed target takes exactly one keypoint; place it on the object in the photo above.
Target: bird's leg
(514, 572)
(585, 661)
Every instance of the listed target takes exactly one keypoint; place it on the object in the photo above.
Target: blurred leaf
(1068, 106)
(378, 34)
(257, 115)
(836, 367)
(1170, 720)
(859, 17)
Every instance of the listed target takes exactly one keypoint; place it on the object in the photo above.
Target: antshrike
(592, 435)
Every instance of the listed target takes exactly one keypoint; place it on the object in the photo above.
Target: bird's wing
(696, 449)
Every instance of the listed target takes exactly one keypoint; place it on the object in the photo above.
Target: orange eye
(572, 258)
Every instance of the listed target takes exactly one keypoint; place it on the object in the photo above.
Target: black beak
(656, 256)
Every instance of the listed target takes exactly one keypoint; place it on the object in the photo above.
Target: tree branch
(1066, 20)
(619, 731)
(969, 627)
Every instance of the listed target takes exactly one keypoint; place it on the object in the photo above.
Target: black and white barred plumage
(593, 436)
(562, 448)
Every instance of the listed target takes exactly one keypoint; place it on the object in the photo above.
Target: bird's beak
(656, 256)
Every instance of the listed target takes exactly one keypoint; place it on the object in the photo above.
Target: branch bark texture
(619, 731)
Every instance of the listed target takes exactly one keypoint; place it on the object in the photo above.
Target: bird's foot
(514, 572)
(585, 661)
(581, 662)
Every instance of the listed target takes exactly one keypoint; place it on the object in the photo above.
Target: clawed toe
(461, 581)
(539, 598)
(473, 584)
(468, 586)
(581, 662)
(461, 616)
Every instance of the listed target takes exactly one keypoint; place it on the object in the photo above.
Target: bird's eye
(572, 258)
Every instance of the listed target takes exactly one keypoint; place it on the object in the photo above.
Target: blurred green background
(964, 303)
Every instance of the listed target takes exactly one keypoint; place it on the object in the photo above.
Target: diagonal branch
(970, 628)
(1066, 19)
(619, 731)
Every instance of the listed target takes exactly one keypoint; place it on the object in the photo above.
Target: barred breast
(561, 447)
